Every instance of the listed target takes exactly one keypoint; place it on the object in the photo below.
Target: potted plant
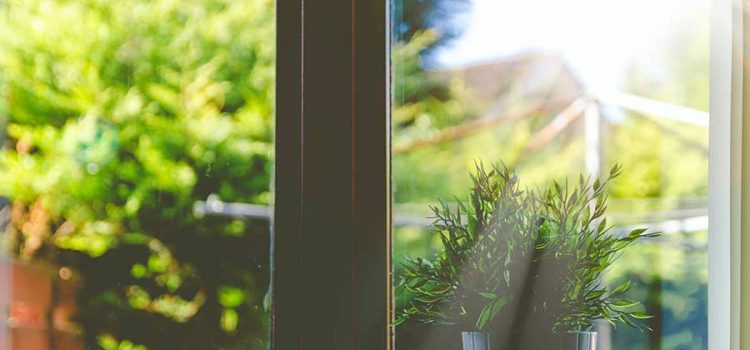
(513, 257)
(468, 283)
(574, 238)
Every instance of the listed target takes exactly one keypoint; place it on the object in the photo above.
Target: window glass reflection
(551, 90)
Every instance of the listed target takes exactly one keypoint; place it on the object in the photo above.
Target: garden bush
(120, 115)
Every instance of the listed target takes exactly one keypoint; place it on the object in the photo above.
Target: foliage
(499, 240)
(441, 16)
(121, 115)
(423, 103)
(423, 26)
(423, 106)
(574, 234)
(668, 170)
(468, 282)
(417, 93)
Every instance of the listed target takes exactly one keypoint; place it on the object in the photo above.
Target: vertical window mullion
(331, 247)
(725, 175)
(286, 246)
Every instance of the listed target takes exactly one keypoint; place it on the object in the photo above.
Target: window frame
(726, 174)
(741, 320)
(331, 247)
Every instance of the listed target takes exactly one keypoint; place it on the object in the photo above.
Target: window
(138, 171)
(331, 114)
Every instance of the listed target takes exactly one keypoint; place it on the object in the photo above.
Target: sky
(599, 38)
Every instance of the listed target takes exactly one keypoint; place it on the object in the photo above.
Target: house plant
(524, 266)
(573, 237)
(468, 283)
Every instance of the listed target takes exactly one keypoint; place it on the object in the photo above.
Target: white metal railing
(655, 108)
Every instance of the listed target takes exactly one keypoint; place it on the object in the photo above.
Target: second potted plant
(574, 238)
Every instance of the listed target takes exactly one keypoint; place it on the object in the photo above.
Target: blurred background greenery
(120, 115)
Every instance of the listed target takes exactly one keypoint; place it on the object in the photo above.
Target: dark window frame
(331, 247)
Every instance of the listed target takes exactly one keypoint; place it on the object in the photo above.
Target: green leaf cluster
(120, 116)
(493, 249)
(574, 235)
(467, 282)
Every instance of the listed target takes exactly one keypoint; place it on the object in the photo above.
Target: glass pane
(135, 173)
(494, 102)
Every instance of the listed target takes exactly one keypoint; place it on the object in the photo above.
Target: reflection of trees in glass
(669, 174)
(673, 282)
(444, 17)
(497, 110)
(122, 114)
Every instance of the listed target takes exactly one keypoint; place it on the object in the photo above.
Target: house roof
(530, 77)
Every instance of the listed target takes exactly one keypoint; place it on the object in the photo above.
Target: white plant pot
(579, 341)
(476, 340)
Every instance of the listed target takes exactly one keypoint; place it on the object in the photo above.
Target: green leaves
(121, 115)
(231, 297)
(640, 315)
(467, 283)
(588, 238)
(503, 230)
(488, 295)
(491, 310)
(623, 303)
(622, 288)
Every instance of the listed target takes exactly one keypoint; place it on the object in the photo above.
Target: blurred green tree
(444, 17)
(121, 115)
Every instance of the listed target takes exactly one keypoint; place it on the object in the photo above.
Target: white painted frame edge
(725, 175)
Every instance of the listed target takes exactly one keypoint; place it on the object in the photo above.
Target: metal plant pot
(476, 340)
(579, 341)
